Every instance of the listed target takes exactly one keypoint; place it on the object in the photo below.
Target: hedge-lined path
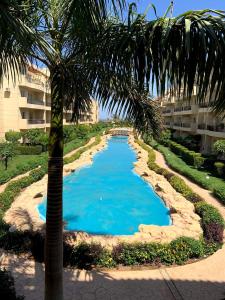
(3, 186)
(205, 194)
(204, 280)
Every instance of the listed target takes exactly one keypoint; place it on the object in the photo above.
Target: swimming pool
(108, 197)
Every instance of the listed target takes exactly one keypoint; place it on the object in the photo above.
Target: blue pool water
(107, 197)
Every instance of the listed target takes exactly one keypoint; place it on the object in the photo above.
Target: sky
(180, 6)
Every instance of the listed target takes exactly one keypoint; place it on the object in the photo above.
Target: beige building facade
(27, 104)
(187, 118)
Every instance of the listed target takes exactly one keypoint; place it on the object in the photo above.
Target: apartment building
(27, 104)
(186, 117)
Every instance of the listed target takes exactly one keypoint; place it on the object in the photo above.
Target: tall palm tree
(90, 52)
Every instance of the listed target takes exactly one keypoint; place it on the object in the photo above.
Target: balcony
(31, 103)
(35, 101)
(212, 130)
(167, 112)
(183, 110)
(204, 107)
(32, 82)
(182, 126)
(31, 123)
(168, 125)
(35, 121)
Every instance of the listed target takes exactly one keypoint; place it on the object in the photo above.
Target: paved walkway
(203, 280)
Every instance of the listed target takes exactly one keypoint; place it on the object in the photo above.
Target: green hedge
(190, 157)
(213, 230)
(22, 167)
(76, 155)
(29, 150)
(220, 168)
(214, 184)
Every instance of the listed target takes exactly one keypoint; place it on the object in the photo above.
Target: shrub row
(23, 167)
(33, 162)
(87, 255)
(28, 150)
(214, 184)
(212, 221)
(76, 155)
(190, 157)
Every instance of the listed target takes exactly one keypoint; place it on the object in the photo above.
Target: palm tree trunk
(54, 225)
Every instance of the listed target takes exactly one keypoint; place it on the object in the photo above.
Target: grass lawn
(203, 178)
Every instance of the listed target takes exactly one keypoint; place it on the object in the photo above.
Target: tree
(90, 53)
(219, 147)
(33, 136)
(43, 140)
(6, 152)
(13, 136)
(165, 136)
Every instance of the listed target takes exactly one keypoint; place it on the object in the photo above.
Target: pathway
(203, 280)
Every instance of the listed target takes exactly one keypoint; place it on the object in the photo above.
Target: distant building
(27, 104)
(189, 118)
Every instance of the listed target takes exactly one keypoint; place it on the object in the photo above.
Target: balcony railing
(183, 108)
(167, 111)
(35, 121)
(204, 105)
(184, 125)
(218, 128)
(35, 80)
(202, 126)
(35, 101)
(178, 109)
(186, 108)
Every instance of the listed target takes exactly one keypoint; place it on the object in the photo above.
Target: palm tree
(88, 52)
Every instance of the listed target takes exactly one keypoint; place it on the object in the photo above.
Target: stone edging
(23, 213)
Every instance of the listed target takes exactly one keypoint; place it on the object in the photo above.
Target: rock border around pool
(23, 213)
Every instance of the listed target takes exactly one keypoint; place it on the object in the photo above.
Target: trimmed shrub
(86, 255)
(190, 157)
(185, 248)
(76, 155)
(219, 167)
(212, 222)
(7, 289)
(219, 192)
(29, 150)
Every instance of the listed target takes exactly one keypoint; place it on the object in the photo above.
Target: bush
(214, 184)
(190, 157)
(219, 167)
(28, 150)
(181, 187)
(13, 136)
(7, 289)
(212, 222)
(219, 192)
(76, 155)
(185, 248)
(84, 256)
